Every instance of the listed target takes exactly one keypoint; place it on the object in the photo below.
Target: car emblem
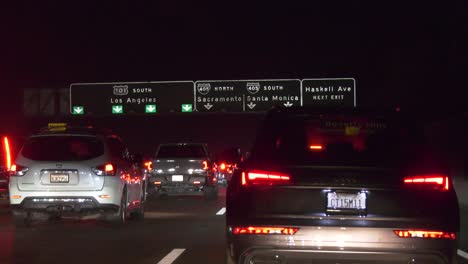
(343, 180)
(253, 88)
(203, 88)
(120, 89)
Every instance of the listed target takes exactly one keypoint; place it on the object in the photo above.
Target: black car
(342, 186)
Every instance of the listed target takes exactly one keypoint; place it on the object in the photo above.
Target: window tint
(181, 151)
(116, 147)
(339, 141)
(63, 148)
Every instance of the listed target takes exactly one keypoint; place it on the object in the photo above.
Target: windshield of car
(180, 152)
(63, 148)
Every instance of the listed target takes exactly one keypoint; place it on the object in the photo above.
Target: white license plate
(59, 178)
(337, 201)
(177, 178)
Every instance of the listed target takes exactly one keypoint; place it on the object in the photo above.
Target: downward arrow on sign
(208, 106)
(251, 105)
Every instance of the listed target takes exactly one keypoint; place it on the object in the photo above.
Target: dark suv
(341, 187)
(184, 169)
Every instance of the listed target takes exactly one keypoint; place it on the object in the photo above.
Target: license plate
(59, 178)
(346, 201)
(177, 178)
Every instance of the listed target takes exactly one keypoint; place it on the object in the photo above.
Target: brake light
(104, 170)
(7, 152)
(109, 168)
(438, 181)
(222, 166)
(425, 234)
(205, 165)
(157, 183)
(264, 178)
(263, 230)
(196, 182)
(18, 170)
(149, 165)
(315, 147)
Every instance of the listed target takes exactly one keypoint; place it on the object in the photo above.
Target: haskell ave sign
(329, 92)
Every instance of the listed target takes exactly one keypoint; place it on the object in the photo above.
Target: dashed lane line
(222, 211)
(172, 256)
(462, 254)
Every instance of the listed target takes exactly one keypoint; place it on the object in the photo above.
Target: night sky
(413, 55)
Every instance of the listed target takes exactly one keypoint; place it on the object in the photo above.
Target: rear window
(63, 148)
(338, 140)
(180, 152)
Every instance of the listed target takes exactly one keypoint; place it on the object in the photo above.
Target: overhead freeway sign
(131, 97)
(152, 98)
(329, 92)
(246, 95)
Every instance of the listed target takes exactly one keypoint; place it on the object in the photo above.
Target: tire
(139, 214)
(229, 260)
(120, 217)
(210, 192)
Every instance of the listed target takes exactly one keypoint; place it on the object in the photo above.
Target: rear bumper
(179, 188)
(292, 256)
(163, 184)
(72, 205)
(339, 245)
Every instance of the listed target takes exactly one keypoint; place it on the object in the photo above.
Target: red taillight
(315, 147)
(222, 166)
(7, 152)
(109, 168)
(425, 234)
(205, 165)
(438, 181)
(105, 170)
(17, 170)
(264, 178)
(196, 182)
(264, 230)
(157, 183)
(149, 165)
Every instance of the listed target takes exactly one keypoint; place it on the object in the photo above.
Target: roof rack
(61, 128)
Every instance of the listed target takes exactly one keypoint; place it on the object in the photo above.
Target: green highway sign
(187, 108)
(78, 110)
(132, 97)
(150, 108)
(117, 109)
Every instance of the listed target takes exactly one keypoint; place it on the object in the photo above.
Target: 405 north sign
(209, 96)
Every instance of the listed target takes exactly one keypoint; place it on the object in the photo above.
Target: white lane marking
(172, 256)
(222, 211)
(462, 254)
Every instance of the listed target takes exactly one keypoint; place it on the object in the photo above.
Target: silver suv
(75, 172)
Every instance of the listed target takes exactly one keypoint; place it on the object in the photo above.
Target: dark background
(411, 55)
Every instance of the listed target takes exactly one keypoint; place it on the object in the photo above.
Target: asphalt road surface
(177, 230)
